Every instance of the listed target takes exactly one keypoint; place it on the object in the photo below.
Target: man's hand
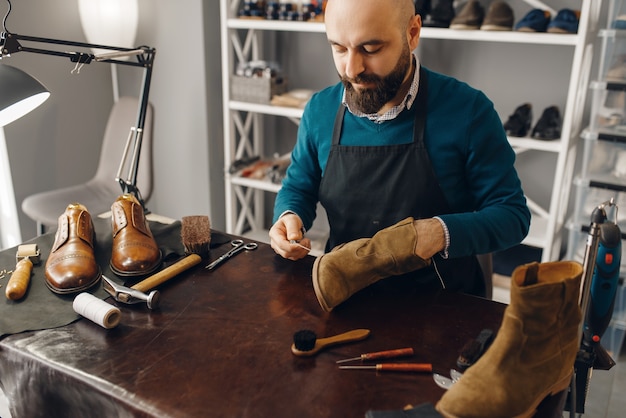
(430, 237)
(288, 228)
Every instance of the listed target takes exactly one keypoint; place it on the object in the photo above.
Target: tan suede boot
(357, 264)
(534, 352)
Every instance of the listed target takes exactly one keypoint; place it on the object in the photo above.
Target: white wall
(58, 144)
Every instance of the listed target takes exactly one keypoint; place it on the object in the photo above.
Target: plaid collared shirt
(392, 113)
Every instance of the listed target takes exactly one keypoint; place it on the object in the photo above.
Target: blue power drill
(603, 283)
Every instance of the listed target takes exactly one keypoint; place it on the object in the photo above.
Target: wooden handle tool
(167, 273)
(321, 343)
(18, 283)
(396, 367)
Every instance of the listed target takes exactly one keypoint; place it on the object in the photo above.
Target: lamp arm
(10, 44)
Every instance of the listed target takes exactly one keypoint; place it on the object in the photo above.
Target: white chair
(99, 193)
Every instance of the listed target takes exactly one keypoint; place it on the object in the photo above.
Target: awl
(395, 367)
(399, 352)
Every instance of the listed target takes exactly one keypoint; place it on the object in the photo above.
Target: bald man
(408, 146)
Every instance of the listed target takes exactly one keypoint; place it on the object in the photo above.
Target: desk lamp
(21, 93)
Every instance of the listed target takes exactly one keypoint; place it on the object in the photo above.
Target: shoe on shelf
(499, 17)
(619, 22)
(518, 124)
(565, 21)
(536, 20)
(549, 124)
(422, 7)
(441, 14)
(617, 73)
(470, 17)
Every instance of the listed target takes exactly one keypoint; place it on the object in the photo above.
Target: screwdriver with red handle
(395, 367)
(400, 352)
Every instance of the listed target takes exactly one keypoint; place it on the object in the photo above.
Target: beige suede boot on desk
(355, 265)
(534, 351)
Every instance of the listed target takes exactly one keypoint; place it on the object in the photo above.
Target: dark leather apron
(368, 188)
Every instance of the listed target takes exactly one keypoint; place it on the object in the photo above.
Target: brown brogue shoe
(71, 266)
(135, 251)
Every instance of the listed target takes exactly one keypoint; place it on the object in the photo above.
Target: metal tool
(400, 352)
(395, 367)
(128, 295)
(447, 382)
(238, 246)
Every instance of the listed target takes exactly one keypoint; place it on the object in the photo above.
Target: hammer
(136, 293)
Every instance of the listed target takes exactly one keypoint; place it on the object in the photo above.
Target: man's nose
(354, 65)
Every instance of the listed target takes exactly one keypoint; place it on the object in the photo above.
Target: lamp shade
(19, 94)
(109, 22)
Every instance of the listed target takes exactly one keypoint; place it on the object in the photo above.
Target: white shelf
(255, 184)
(426, 33)
(537, 233)
(289, 112)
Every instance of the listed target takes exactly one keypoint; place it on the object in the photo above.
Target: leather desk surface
(219, 346)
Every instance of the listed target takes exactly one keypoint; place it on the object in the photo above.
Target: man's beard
(371, 100)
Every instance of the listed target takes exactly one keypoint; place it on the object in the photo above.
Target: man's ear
(413, 31)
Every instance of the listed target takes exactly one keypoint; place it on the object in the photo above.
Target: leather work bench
(219, 346)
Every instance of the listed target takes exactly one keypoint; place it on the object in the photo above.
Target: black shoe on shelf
(519, 122)
(549, 124)
(422, 7)
(441, 14)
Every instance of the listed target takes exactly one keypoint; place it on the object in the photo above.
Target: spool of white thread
(97, 310)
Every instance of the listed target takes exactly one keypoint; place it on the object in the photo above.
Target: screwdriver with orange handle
(399, 352)
(395, 367)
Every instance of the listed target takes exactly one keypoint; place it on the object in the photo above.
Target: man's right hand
(287, 228)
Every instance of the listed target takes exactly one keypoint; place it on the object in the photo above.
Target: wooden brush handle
(167, 273)
(18, 283)
(354, 335)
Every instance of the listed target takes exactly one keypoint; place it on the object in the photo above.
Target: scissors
(238, 246)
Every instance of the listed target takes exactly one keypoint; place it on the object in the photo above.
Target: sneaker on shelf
(536, 20)
(422, 7)
(499, 17)
(441, 14)
(617, 73)
(565, 21)
(519, 122)
(470, 17)
(549, 124)
(619, 22)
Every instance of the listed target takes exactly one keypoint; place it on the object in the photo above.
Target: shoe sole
(318, 292)
(464, 26)
(75, 289)
(496, 28)
(559, 386)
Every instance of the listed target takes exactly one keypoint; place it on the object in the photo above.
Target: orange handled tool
(396, 367)
(399, 352)
(18, 283)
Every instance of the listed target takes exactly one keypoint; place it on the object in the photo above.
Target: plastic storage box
(604, 158)
(613, 337)
(608, 108)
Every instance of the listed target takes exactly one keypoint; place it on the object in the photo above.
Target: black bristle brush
(473, 349)
(306, 343)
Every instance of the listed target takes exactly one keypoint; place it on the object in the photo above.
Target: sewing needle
(400, 352)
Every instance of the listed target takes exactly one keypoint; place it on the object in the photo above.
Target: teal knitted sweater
(468, 149)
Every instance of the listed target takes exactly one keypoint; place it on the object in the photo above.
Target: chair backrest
(123, 116)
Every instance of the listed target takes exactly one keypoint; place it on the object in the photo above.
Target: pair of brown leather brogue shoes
(72, 267)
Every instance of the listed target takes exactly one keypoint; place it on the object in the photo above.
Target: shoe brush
(306, 343)
(195, 232)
